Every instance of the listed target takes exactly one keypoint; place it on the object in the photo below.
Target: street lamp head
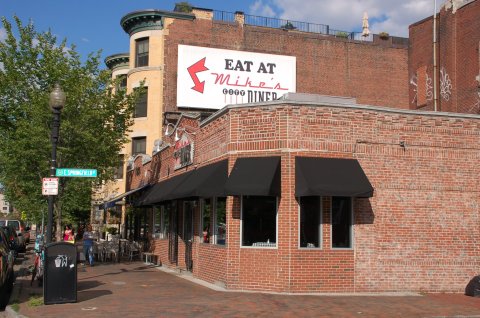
(57, 98)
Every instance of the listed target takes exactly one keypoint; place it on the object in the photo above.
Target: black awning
(330, 177)
(163, 191)
(207, 181)
(111, 203)
(255, 176)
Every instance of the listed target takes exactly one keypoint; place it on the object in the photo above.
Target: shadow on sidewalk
(91, 294)
(89, 284)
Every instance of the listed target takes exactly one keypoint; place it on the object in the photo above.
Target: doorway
(188, 212)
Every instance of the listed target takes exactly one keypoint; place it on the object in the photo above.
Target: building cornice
(299, 99)
(150, 19)
(115, 61)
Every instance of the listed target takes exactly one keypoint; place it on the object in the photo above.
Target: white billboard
(213, 78)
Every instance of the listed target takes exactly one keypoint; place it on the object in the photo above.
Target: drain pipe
(435, 96)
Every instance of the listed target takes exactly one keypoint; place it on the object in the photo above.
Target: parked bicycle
(39, 262)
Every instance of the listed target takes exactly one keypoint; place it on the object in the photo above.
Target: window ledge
(260, 247)
(144, 69)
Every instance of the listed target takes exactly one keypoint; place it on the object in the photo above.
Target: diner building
(317, 194)
(262, 178)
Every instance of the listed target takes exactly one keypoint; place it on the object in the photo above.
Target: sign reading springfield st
(212, 78)
(70, 172)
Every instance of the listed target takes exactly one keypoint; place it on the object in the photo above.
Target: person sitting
(68, 235)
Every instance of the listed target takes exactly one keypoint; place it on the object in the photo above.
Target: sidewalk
(134, 289)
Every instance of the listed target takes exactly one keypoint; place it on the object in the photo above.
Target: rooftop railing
(302, 26)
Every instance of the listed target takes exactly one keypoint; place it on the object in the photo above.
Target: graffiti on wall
(445, 84)
(413, 82)
(428, 87)
(418, 86)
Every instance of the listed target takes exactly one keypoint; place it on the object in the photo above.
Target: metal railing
(301, 26)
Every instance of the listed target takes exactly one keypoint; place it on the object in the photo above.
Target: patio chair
(111, 251)
(133, 250)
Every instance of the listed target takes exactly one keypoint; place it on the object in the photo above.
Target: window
(141, 49)
(160, 221)
(122, 81)
(139, 145)
(259, 221)
(310, 222)
(341, 217)
(206, 220)
(220, 221)
(141, 106)
(157, 222)
(118, 173)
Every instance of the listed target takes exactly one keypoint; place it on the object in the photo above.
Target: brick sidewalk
(134, 289)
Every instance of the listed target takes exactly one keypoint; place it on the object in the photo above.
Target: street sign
(69, 172)
(50, 186)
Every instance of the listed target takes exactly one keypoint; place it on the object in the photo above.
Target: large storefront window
(341, 222)
(220, 221)
(161, 222)
(259, 221)
(310, 224)
(206, 220)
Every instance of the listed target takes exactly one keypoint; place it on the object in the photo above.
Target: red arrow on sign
(193, 70)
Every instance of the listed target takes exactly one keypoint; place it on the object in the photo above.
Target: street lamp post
(57, 101)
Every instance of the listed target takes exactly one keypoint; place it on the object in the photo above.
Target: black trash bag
(473, 287)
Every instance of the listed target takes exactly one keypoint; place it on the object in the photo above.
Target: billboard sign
(212, 78)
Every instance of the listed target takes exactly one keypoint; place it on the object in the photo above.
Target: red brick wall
(458, 39)
(414, 234)
(374, 74)
(419, 231)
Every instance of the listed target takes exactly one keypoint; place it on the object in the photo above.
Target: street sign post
(50, 186)
(69, 172)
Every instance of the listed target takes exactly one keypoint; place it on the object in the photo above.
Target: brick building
(304, 193)
(328, 62)
(457, 59)
(300, 160)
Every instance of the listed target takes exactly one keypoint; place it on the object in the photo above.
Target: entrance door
(173, 234)
(188, 210)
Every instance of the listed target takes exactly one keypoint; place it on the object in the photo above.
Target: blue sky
(95, 24)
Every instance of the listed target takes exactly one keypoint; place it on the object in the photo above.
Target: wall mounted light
(168, 132)
(156, 146)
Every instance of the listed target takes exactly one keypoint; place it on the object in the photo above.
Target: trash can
(60, 276)
(473, 287)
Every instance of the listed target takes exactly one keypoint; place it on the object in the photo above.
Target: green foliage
(183, 7)
(93, 127)
(35, 301)
(384, 35)
(288, 26)
(342, 34)
(111, 230)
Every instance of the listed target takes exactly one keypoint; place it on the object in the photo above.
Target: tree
(94, 120)
(183, 6)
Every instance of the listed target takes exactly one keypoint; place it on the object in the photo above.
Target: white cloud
(3, 35)
(391, 16)
(85, 40)
(261, 9)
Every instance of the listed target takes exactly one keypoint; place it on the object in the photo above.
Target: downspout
(435, 96)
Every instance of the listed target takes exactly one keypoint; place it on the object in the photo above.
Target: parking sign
(50, 186)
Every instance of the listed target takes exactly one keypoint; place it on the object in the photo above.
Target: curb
(16, 291)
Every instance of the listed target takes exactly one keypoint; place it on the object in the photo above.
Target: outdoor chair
(133, 250)
(111, 251)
